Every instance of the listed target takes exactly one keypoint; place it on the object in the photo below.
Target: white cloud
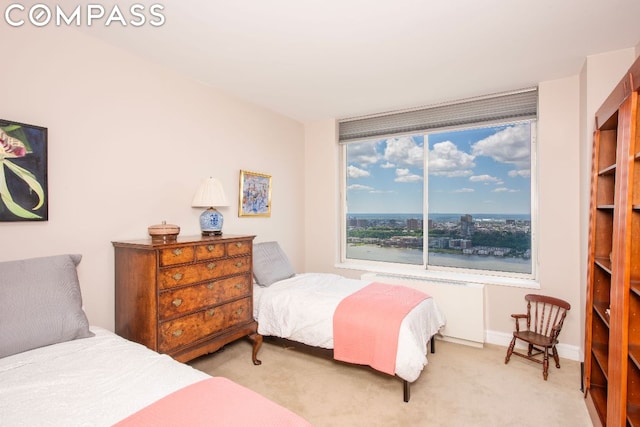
(464, 190)
(387, 165)
(404, 151)
(512, 145)
(484, 179)
(359, 187)
(405, 175)
(504, 190)
(445, 159)
(354, 172)
(525, 173)
(364, 153)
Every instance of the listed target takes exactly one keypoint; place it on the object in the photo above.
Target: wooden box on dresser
(187, 297)
(612, 330)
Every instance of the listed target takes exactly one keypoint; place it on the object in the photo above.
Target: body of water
(414, 256)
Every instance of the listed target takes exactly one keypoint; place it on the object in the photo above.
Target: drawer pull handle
(177, 276)
(239, 286)
(210, 285)
(177, 251)
(239, 264)
(211, 265)
(210, 312)
(238, 244)
(177, 333)
(177, 302)
(210, 248)
(239, 311)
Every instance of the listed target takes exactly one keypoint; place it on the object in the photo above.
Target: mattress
(301, 309)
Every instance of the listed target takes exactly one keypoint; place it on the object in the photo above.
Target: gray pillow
(270, 263)
(41, 303)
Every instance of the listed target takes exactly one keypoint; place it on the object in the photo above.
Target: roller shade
(519, 105)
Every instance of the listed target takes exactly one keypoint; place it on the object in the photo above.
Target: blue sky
(480, 170)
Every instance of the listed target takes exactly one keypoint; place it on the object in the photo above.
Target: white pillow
(270, 263)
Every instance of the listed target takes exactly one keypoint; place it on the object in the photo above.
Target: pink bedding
(366, 324)
(213, 401)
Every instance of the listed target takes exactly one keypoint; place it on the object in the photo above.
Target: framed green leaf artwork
(23, 172)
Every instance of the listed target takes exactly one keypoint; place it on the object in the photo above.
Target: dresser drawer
(191, 328)
(239, 248)
(176, 255)
(209, 251)
(184, 300)
(200, 272)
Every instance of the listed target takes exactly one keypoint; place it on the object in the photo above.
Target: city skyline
(480, 170)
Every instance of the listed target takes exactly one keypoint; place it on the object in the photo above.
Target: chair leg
(545, 363)
(530, 350)
(510, 350)
(555, 357)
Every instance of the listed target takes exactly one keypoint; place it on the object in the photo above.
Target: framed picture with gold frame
(255, 194)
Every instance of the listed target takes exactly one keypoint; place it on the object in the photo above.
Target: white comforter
(93, 381)
(301, 309)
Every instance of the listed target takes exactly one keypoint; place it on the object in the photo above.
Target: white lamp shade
(209, 194)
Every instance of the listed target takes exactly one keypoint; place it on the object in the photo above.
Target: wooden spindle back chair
(545, 317)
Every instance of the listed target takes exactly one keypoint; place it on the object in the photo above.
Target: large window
(446, 197)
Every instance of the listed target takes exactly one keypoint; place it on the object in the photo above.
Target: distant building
(466, 225)
(362, 222)
(414, 224)
(460, 244)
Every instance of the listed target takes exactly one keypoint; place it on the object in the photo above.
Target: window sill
(445, 276)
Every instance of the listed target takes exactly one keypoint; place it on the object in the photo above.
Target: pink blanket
(214, 401)
(366, 324)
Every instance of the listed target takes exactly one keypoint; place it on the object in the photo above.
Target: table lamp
(210, 195)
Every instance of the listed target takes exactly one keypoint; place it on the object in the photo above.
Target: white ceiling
(315, 59)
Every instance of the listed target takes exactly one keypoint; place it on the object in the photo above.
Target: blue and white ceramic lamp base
(211, 222)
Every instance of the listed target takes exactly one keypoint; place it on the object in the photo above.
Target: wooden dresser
(188, 297)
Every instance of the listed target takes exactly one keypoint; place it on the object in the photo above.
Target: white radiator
(462, 304)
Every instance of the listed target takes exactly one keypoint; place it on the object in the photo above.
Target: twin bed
(106, 380)
(57, 370)
(301, 308)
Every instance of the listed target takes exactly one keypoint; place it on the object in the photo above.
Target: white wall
(128, 144)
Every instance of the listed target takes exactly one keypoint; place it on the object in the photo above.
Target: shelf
(633, 416)
(634, 286)
(609, 170)
(602, 314)
(605, 207)
(604, 263)
(599, 398)
(634, 354)
(601, 355)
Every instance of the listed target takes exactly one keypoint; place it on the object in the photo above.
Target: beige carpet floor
(460, 386)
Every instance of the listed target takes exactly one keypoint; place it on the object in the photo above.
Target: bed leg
(433, 344)
(406, 390)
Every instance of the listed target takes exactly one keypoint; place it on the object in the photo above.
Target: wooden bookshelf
(612, 339)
